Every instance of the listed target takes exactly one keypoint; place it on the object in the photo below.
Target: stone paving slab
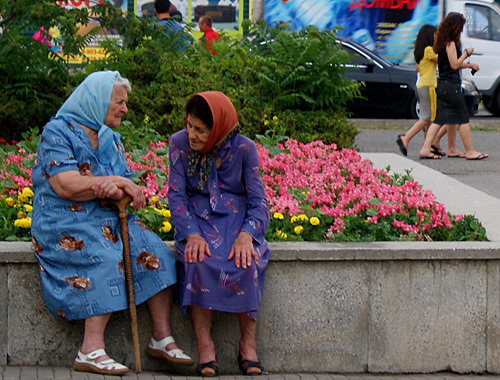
(66, 373)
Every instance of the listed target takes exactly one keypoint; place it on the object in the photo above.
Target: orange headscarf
(224, 116)
(225, 124)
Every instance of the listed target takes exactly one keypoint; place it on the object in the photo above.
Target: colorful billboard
(388, 27)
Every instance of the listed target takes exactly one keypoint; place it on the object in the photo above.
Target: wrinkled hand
(242, 251)
(135, 191)
(196, 249)
(106, 188)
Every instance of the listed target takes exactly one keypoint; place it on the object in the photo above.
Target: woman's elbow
(65, 193)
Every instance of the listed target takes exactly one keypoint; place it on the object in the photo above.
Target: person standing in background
(170, 26)
(205, 25)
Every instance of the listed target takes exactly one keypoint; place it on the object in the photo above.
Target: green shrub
(297, 76)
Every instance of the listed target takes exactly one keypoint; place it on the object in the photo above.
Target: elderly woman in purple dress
(221, 215)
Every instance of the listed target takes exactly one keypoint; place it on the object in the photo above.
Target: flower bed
(315, 193)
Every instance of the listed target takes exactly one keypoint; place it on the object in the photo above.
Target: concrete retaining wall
(378, 307)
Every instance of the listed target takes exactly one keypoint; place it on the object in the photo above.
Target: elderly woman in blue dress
(221, 215)
(77, 242)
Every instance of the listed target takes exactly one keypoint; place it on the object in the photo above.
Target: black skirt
(451, 107)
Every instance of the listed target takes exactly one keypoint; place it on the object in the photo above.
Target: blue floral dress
(232, 200)
(78, 244)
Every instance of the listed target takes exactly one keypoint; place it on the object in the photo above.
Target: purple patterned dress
(232, 200)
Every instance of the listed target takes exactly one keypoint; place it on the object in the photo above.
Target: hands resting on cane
(117, 188)
(73, 186)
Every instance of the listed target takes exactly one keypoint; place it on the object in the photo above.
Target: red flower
(3, 141)
(15, 142)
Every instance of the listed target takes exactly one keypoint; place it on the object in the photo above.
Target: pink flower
(315, 177)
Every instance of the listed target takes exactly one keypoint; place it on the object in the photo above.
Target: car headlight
(469, 88)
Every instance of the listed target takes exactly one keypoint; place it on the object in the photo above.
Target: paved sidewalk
(61, 373)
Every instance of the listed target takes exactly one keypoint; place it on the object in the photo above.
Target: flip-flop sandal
(210, 369)
(437, 151)
(250, 368)
(401, 145)
(481, 156)
(158, 349)
(432, 157)
(87, 363)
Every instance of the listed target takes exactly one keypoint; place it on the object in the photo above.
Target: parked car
(389, 89)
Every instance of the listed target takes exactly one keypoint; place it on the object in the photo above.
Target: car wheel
(492, 104)
(414, 109)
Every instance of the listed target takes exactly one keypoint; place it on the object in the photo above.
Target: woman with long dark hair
(451, 107)
(426, 61)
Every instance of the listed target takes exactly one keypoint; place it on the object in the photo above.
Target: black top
(444, 67)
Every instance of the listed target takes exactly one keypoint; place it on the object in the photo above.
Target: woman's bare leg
(417, 127)
(426, 150)
(248, 347)
(159, 308)
(93, 337)
(465, 135)
(202, 322)
(452, 140)
(437, 140)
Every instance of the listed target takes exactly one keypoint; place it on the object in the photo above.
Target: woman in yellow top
(426, 61)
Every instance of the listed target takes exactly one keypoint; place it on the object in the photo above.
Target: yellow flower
(298, 229)
(28, 208)
(22, 198)
(10, 201)
(166, 227)
(21, 215)
(277, 215)
(154, 200)
(293, 219)
(27, 192)
(166, 213)
(146, 119)
(302, 217)
(281, 235)
(23, 223)
(314, 221)
(266, 122)
(275, 118)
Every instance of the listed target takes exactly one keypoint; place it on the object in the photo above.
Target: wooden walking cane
(122, 205)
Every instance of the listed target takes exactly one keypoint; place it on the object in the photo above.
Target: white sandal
(87, 363)
(158, 349)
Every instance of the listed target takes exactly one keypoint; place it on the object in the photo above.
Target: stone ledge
(20, 252)
(411, 307)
